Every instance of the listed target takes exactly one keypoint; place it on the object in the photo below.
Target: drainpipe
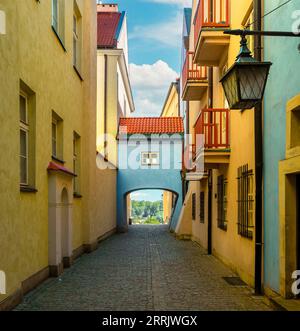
(258, 120)
(210, 177)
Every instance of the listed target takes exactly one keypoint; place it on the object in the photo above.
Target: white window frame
(55, 16)
(76, 139)
(150, 158)
(75, 40)
(24, 127)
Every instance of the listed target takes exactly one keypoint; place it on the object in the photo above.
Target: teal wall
(132, 176)
(283, 84)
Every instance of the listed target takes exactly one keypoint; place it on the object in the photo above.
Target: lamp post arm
(240, 32)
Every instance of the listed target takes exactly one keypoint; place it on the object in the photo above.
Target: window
(27, 129)
(75, 41)
(76, 162)
(24, 141)
(54, 138)
(150, 158)
(245, 202)
(55, 14)
(222, 203)
(57, 137)
(194, 206)
(58, 19)
(77, 37)
(202, 207)
(2, 22)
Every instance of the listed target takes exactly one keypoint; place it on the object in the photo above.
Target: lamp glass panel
(231, 87)
(252, 81)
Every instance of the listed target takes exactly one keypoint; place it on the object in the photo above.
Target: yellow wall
(171, 106)
(111, 102)
(235, 250)
(167, 206)
(31, 52)
(230, 247)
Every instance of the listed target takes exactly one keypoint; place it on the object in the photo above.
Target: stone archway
(60, 248)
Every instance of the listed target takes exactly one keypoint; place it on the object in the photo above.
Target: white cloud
(167, 33)
(182, 3)
(150, 84)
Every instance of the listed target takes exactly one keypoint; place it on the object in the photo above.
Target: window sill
(28, 189)
(223, 227)
(54, 158)
(77, 195)
(78, 73)
(59, 39)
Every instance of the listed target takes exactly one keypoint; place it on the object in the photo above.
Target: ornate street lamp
(244, 83)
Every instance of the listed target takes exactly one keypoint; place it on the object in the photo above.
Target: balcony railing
(212, 126)
(211, 14)
(191, 71)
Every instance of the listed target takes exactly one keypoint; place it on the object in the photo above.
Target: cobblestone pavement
(145, 269)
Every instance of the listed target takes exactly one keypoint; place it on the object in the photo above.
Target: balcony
(212, 137)
(212, 17)
(194, 79)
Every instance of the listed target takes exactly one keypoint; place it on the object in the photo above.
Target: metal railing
(213, 125)
(191, 71)
(211, 14)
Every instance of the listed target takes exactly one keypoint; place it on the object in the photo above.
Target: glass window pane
(54, 131)
(74, 24)
(23, 115)
(23, 170)
(23, 143)
(54, 147)
(74, 51)
(55, 14)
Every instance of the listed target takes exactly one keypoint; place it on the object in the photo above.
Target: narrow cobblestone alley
(146, 269)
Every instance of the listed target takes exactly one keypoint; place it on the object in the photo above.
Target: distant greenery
(147, 212)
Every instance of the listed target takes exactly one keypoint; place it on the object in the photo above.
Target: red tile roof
(56, 167)
(151, 125)
(107, 28)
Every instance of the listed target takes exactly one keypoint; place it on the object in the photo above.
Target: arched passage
(137, 180)
(156, 205)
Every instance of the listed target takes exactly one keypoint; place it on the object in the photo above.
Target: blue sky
(154, 33)
(155, 40)
(147, 195)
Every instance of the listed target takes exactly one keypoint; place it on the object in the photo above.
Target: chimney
(107, 7)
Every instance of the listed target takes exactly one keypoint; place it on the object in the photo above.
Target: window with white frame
(77, 37)
(24, 133)
(75, 40)
(58, 19)
(76, 162)
(150, 158)
(57, 137)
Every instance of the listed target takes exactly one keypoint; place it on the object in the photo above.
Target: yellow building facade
(114, 94)
(55, 204)
(171, 108)
(221, 181)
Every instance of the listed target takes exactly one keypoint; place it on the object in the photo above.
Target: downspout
(105, 107)
(258, 123)
(210, 178)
